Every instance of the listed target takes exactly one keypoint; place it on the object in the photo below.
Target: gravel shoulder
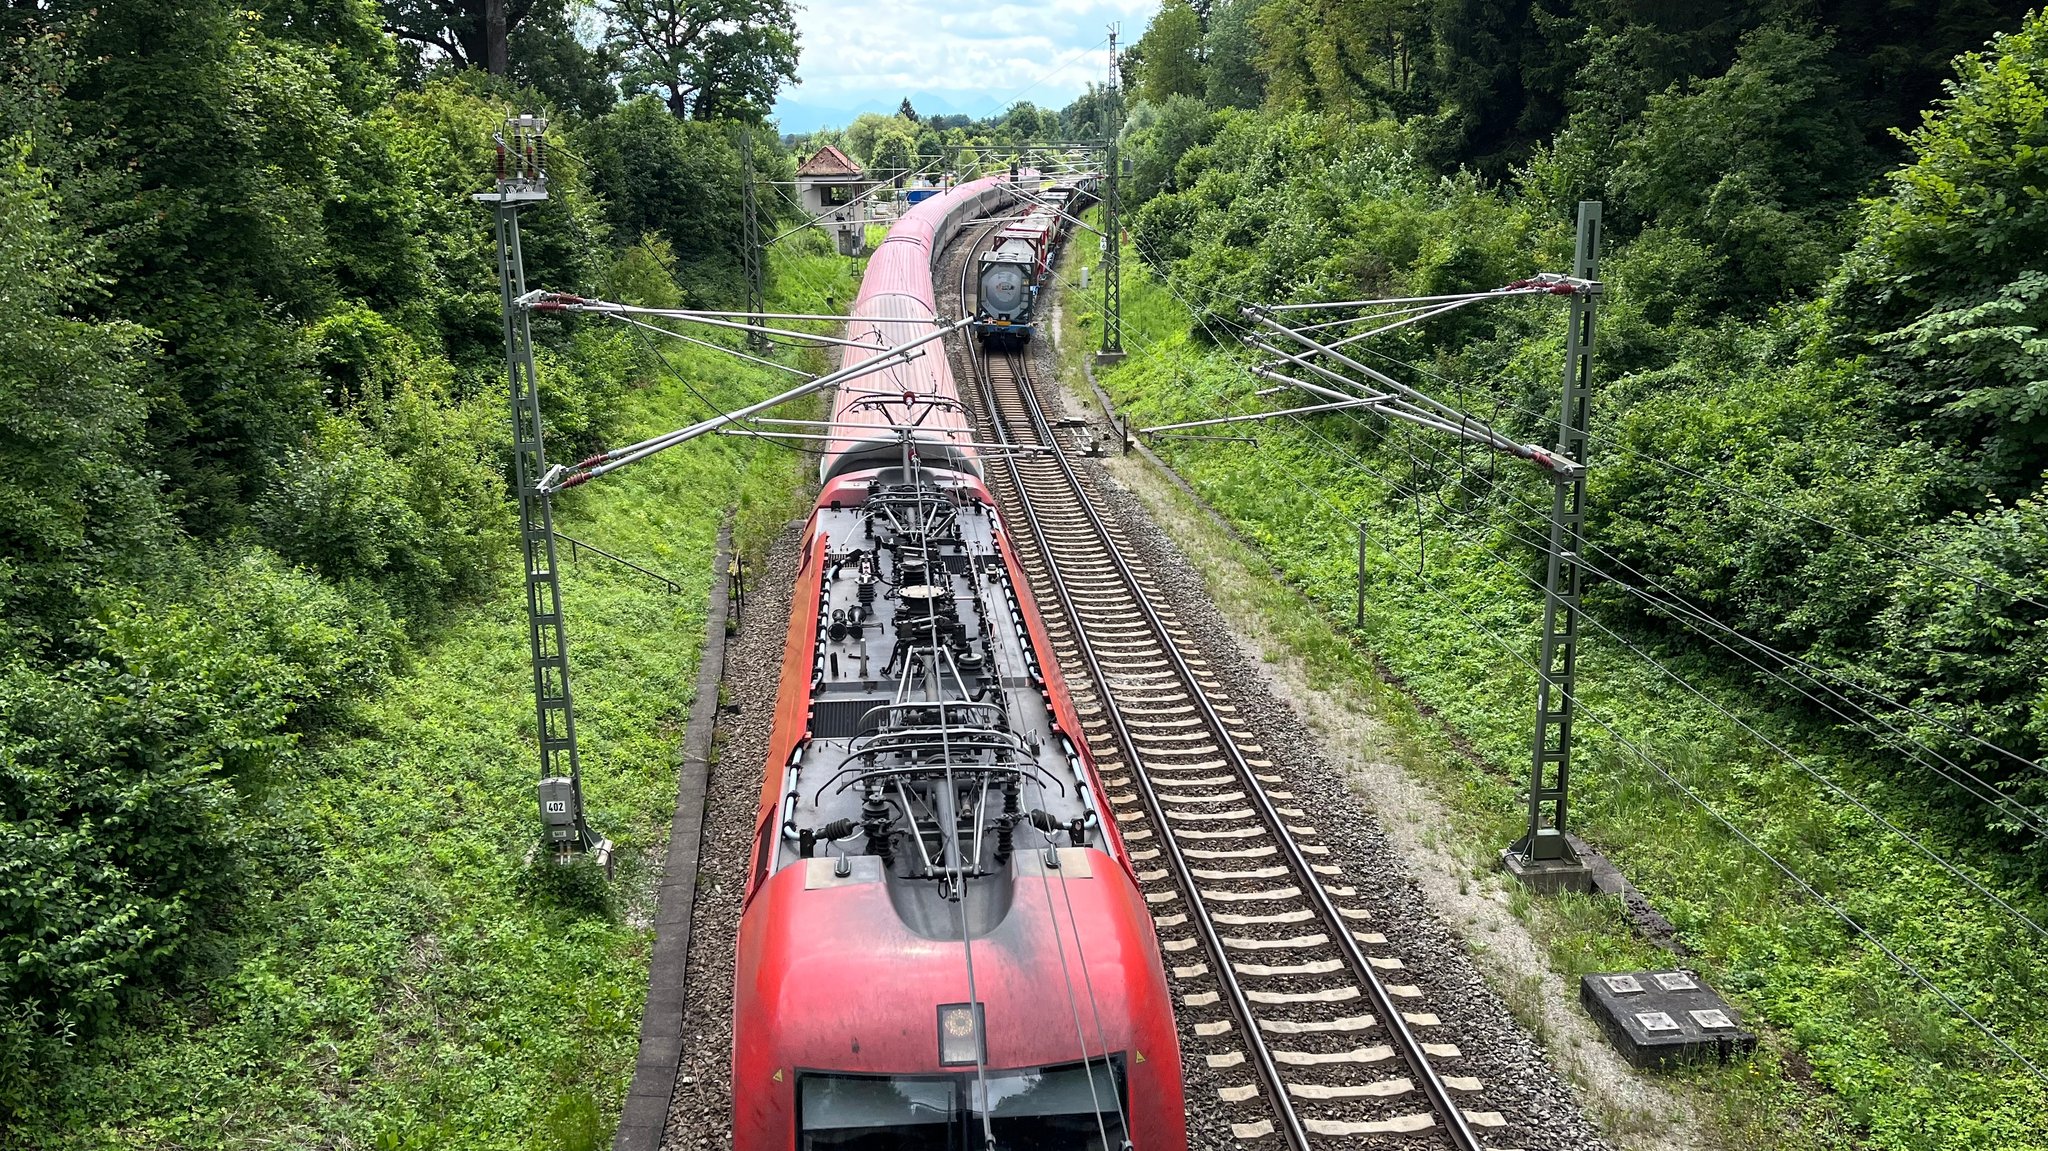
(1484, 963)
(700, 1113)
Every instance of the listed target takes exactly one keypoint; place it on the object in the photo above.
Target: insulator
(501, 161)
(874, 819)
(1006, 827)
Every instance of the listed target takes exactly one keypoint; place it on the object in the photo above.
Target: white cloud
(877, 51)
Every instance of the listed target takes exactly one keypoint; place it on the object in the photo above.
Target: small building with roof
(834, 191)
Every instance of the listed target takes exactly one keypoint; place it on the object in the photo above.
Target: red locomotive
(943, 943)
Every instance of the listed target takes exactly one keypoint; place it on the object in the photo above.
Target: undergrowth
(410, 975)
(1854, 1052)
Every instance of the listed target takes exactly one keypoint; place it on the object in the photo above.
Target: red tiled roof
(829, 161)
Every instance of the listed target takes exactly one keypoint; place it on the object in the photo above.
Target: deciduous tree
(471, 33)
(1171, 54)
(711, 59)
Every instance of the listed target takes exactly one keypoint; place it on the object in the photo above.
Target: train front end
(943, 941)
(1006, 294)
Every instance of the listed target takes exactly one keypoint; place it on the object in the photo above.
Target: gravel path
(700, 1115)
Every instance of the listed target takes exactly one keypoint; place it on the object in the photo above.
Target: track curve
(1327, 1033)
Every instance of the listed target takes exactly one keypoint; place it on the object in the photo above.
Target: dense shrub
(79, 501)
(123, 777)
(1782, 466)
(1947, 279)
(252, 431)
(676, 179)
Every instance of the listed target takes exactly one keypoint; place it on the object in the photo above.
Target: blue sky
(870, 54)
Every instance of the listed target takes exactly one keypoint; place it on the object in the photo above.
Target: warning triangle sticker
(1141, 1056)
(778, 1075)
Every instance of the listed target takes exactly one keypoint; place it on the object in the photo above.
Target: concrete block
(1548, 877)
(1661, 1017)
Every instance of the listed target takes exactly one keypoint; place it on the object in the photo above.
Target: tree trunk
(678, 104)
(496, 32)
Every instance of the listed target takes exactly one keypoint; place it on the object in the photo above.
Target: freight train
(942, 942)
(1018, 263)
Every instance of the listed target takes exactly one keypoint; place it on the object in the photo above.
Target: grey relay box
(1658, 1017)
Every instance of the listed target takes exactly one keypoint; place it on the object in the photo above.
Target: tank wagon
(1018, 263)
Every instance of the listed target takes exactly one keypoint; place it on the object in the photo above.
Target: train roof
(897, 304)
(861, 739)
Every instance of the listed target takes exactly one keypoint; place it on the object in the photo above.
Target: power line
(1686, 613)
(1721, 485)
(1587, 543)
(1753, 732)
(1804, 885)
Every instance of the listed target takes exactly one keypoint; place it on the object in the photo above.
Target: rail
(1407, 1044)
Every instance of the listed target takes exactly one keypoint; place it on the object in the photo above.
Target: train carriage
(1017, 265)
(942, 940)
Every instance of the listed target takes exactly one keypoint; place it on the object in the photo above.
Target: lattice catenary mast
(752, 250)
(1112, 210)
(522, 180)
(1542, 857)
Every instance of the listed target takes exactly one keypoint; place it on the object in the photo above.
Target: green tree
(676, 179)
(1947, 276)
(1023, 122)
(1085, 117)
(469, 33)
(1171, 54)
(712, 59)
(219, 157)
(549, 56)
(1230, 50)
(1757, 164)
(1156, 138)
(1338, 55)
(866, 132)
(892, 157)
(73, 465)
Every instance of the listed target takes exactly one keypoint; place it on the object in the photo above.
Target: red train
(943, 944)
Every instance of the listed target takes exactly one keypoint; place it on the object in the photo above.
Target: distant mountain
(795, 114)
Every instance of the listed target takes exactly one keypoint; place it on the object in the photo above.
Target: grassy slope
(417, 990)
(1902, 1070)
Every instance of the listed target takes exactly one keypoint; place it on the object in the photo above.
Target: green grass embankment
(1855, 1053)
(418, 982)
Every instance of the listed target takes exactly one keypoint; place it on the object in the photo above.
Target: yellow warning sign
(1141, 1056)
(778, 1074)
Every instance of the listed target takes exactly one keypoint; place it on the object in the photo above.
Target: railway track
(1299, 1007)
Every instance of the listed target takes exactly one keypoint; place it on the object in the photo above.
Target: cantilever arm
(560, 477)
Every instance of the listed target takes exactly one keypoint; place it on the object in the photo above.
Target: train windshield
(1068, 1108)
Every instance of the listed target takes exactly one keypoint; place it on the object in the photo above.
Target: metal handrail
(576, 546)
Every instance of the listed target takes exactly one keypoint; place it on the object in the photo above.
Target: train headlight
(961, 1037)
